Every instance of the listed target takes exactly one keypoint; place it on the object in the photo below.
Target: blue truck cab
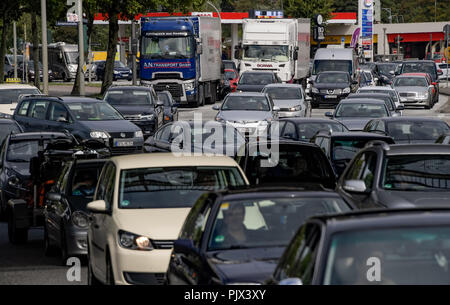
(183, 56)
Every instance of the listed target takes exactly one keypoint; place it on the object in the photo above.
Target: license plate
(330, 96)
(125, 74)
(122, 143)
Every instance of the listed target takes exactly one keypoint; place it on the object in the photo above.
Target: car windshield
(416, 130)
(332, 78)
(172, 187)
(410, 82)
(31, 64)
(128, 97)
(246, 103)
(255, 79)
(307, 130)
(386, 68)
(386, 99)
(160, 47)
(420, 67)
(83, 183)
(230, 75)
(21, 151)
(406, 256)
(268, 53)
(347, 149)
(324, 65)
(8, 96)
(361, 110)
(97, 111)
(417, 173)
(392, 93)
(72, 58)
(270, 222)
(119, 64)
(284, 93)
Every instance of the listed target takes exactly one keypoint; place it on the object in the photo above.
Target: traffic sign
(446, 31)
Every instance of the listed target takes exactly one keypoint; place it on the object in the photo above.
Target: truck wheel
(213, 98)
(200, 96)
(15, 235)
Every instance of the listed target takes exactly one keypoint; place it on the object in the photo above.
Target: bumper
(412, 101)
(140, 267)
(290, 114)
(250, 130)
(76, 240)
(137, 146)
(322, 98)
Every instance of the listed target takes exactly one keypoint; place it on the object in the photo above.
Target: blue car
(84, 118)
(120, 71)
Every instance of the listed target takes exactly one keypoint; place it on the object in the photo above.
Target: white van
(335, 59)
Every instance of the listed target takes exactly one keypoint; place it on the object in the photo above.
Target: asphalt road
(26, 264)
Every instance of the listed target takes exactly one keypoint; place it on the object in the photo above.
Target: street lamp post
(44, 47)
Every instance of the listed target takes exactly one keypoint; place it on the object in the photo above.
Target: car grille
(163, 244)
(125, 150)
(132, 117)
(119, 136)
(138, 278)
(167, 76)
(407, 94)
(331, 91)
(174, 88)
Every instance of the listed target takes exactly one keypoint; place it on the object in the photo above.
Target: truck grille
(167, 76)
(174, 88)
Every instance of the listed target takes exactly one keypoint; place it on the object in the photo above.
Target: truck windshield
(332, 65)
(167, 47)
(268, 53)
(71, 58)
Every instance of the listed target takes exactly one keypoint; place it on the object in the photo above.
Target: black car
(120, 71)
(341, 147)
(85, 118)
(392, 247)
(303, 129)
(139, 105)
(66, 217)
(16, 154)
(188, 137)
(7, 127)
(422, 66)
(286, 163)
(394, 176)
(388, 100)
(255, 81)
(385, 72)
(405, 130)
(170, 106)
(330, 87)
(31, 74)
(237, 236)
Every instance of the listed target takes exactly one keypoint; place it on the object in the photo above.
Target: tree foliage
(308, 9)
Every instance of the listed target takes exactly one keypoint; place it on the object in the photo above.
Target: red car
(430, 83)
(233, 77)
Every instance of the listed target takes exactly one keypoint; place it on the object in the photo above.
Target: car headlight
(219, 119)
(189, 86)
(422, 94)
(31, 72)
(80, 219)
(115, 72)
(296, 108)
(147, 117)
(100, 135)
(346, 90)
(132, 241)
(138, 134)
(314, 90)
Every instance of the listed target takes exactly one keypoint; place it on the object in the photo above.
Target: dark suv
(138, 104)
(255, 81)
(85, 118)
(398, 176)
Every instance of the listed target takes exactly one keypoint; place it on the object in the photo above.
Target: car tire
(109, 272)
(49, 249)
(16, 236)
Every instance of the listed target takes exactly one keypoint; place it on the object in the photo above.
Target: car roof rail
(383, 144)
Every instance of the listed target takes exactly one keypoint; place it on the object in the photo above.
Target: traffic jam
(314, 168)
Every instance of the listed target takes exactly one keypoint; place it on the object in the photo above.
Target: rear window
(8, 96)
(128, 97)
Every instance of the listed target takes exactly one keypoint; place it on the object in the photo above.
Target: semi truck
(278, 45)
(183, 56)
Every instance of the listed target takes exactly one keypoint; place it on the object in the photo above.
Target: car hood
(242, 115)
(354, 123)
(287, 103)
(253, 265)
(157, 224)
(122, 69)
(250, 88)
(411, 89)
(111, 126)
(405, 199)
(331, 85)
(134, 109)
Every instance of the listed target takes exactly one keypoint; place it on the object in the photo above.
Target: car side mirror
(397, 72)
(308, 98)
(62, 120)
(355, 186)
(53, 196)
(401, 107)
(291, 281)
(216, 107)
(276, 108)
(184, 246)
(354, 82)
(159, 104)
(329, 114)
(391, 72)
(97, 206)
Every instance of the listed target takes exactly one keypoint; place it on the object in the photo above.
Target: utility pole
(15, 49)
(24, 70)
(133, 51)
(80, 47)
(398, 44)
(44, 47)
(384, 41)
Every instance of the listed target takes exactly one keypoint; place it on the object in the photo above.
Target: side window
(281, 125)
(363, 168)
(380, 127)
(289, 131)
(110, 184)
(325, 146)
(39, 109)
(165, 134)
(23, 108)
(58, 111)
(372, 126)
(196, 220)
(101, 188)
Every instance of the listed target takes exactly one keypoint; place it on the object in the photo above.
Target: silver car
(414, 90)
(290, 98)
(250, 113)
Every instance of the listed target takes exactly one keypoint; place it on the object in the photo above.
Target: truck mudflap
(20, 213)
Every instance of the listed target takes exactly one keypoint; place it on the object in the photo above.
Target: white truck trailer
(279, 45)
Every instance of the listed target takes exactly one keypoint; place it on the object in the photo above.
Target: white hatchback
(139, 207)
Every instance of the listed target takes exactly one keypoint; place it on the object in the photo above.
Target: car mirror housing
(401, 107)
(355, 186)
(276, 108)
(216, 107)
(97, 206)
(184, 246)
(329, 114)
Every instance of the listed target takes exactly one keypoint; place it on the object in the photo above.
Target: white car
(139, 207)
(11, 93)
(445, 71)
(384, 89)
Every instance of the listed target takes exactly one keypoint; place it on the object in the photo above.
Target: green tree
(308, 9)
(9, 12)
(345, 6)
